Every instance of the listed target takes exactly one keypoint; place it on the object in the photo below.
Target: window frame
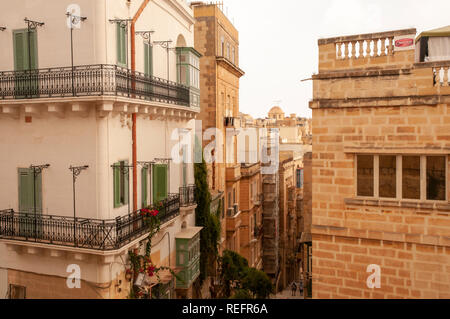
(399, 177)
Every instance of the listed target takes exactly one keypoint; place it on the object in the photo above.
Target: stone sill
(442, 207)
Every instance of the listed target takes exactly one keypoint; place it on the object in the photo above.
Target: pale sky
(278, 41)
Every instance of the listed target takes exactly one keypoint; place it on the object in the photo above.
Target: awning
(440, 32)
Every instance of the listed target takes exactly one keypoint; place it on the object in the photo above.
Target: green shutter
(116, 185)
(121, 45)
(26, 191)
(21, 47)
(144, 192)
(159, 183)
(20, 51)
(34, 50)
(126, 181)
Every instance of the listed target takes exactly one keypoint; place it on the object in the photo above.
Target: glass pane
(365, 175)
(388, 179)
(436, 177)
(411, 177)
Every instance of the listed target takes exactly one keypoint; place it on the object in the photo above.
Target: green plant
(143, 263)
(233, 268)
(258, 283)
(242, 294)
(210, 235)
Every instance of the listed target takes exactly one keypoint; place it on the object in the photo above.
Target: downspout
(133, 69)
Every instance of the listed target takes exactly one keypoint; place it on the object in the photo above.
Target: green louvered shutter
(121, 45)
(20, 51)
(116, 185)
(159, 183)
(144, 191)
(126, 184)
(25, 190)
(148, 59)
(33, 50)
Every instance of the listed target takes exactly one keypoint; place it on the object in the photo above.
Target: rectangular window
(121, 184)
(148, 59)
(25, 50)
(27, 191)
(387, 176)
(121, 32)
(436, 178)
(365, 166)
(160, 182)
(144, 191)
(411, 177)
(403, 177)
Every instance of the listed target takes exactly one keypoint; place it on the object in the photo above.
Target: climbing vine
(143, 264)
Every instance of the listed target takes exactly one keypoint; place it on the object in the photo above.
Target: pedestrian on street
(294, 288)
(300, 288)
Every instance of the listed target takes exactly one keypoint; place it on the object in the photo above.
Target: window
(27, 191)
(387, 175)
(160, 178)
(24, 49)
(436, 178)
(228, 51)
(402, 177)
(299, 177)
(222, 46)
(365, 175)
(121, 184)
(233, 56)
(121, 33)
(411, 177)
(144, 192)
(148, 59)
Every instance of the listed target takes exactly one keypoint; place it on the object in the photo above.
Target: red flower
(150, 270)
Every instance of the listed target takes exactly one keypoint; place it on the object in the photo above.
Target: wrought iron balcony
(90, 80)
(81, 232)
(187, 195)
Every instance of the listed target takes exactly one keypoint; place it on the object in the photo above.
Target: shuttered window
(121, 184)
(144, 191)
(121, 45)
(159, 182)
(148, 59)
(22, 52)
(26, 191)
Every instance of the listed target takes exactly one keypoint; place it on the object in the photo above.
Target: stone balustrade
(372, 49)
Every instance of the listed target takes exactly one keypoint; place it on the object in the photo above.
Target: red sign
(402, 43)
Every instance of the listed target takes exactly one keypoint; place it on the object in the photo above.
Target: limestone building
(100, 116)
(218, 41)
(381, 145)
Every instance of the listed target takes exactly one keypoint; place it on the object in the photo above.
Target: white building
(114, 111)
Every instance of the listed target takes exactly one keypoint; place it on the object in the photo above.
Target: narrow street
(287, 294)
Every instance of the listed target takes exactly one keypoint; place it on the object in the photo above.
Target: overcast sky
(278, 41)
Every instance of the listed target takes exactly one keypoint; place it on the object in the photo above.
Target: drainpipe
(133, 68)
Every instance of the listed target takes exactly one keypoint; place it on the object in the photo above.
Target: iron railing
(81, 232)
(187, 195)
(90, 80)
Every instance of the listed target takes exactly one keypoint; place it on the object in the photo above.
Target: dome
(276, 110)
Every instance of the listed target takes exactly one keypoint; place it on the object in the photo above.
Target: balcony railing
(187, 195)
(90, 80)
(81, 232)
